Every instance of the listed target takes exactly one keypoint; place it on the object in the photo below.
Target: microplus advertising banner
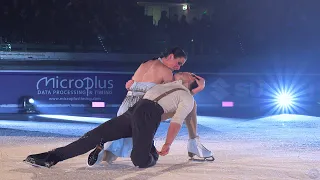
(59, 89)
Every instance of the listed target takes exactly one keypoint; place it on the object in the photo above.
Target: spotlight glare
(31, 101)
(284, 100)
(27, 105)
(285, 95)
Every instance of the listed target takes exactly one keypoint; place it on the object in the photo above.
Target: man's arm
(166, 116)
(184, 108)
(173, 131)
(190, 121)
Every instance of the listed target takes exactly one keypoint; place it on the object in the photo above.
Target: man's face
(175, 63)
(186, 77)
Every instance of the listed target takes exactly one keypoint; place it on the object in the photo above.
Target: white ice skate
(195, 148)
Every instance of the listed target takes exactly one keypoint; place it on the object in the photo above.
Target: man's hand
(201, 84)
(165, 150)
(129, 84)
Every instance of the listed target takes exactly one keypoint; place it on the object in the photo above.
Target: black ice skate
(96, 156)
(46, 159)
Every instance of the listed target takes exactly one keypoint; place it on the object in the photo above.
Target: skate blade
(210, 159)
(34, 165)
(200, 159)
(94, 158)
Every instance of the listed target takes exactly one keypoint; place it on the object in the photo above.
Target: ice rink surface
(274, 147)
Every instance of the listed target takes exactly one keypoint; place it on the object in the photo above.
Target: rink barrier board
(74, 91)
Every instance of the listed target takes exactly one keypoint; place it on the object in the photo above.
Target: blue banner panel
(239, 93)
(56, 89)
(224, 94)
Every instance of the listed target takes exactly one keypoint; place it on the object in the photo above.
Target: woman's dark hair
(193, 85)
(176, 51)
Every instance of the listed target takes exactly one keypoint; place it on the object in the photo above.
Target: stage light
(282, 102)
(185, 7)
(27, 105)
(285, 100)
(284, 95)
(31, 101)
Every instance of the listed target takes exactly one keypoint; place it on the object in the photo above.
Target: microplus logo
(86, 86)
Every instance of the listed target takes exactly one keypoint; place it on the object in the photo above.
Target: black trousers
(140, 122)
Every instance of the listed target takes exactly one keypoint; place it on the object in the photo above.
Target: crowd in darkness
(114, 26)
(121, 26)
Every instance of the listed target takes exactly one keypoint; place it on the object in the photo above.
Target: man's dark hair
(176, 51)
(193, 85)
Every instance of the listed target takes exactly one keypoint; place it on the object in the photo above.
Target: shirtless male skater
(149, 74)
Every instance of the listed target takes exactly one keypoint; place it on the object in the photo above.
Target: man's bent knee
(143, 161)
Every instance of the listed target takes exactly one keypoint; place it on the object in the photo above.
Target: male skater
(140, 122)
(149, 74)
